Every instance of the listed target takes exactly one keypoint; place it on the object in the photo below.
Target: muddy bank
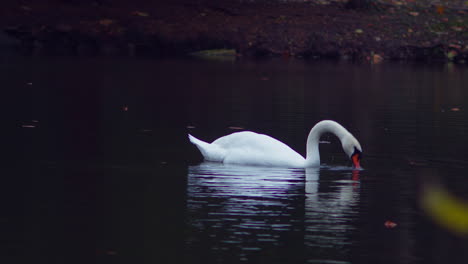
(315, 29)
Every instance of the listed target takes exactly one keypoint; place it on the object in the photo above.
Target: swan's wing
(257, 149)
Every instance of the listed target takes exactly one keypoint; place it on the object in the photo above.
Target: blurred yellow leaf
(440, 9)
(445, 209)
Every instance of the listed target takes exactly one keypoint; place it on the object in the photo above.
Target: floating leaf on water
(414, 13)
(139, 13)
(390, 224)
(106, 22)
(359, 31)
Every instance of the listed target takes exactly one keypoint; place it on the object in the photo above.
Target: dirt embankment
(311, 29)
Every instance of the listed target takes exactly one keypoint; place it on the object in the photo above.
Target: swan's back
(251, 148)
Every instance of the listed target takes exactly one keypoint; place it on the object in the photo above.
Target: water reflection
(250, 212)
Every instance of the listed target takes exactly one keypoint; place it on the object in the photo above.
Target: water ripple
(250, 209)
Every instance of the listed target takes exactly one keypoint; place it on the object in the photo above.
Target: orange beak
(356, 158)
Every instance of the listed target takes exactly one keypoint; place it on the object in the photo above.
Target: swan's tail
(196, 141)
(209, 151)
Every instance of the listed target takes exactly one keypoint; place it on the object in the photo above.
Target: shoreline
(252, 30)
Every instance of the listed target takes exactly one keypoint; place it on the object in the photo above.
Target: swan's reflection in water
(262, 213)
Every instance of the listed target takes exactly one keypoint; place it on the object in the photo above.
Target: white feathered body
(250, 148)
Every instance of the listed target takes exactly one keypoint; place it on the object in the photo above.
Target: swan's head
(353, 149)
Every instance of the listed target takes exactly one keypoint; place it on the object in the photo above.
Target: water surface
(100, 167)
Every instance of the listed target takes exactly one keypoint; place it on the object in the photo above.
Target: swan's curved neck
(326, 126)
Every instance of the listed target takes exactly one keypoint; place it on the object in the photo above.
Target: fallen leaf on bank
(376, 58)
(106, 22)
(455, 46)
(440, 9)
(451, 54)
(220, 54)
(139, 13)
(390, 224)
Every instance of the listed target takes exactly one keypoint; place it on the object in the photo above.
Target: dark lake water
(99, 168)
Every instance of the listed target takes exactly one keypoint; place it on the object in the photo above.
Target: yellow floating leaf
(445, 209)
(359, 31)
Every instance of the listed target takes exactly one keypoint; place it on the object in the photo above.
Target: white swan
(250, 148)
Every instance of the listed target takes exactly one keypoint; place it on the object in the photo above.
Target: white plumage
(250, 148)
